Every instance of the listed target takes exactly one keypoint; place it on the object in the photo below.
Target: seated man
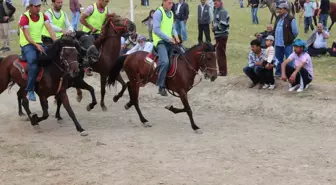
(302, 74)
(255, 67)
(318, 42)
(142, 45)
(131, 41)
(332, 50)
(262, 36)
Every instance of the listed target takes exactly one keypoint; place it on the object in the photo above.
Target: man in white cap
(31, 25)
(286, 30)
(141, 45)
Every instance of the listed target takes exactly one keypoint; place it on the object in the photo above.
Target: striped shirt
(253, 57)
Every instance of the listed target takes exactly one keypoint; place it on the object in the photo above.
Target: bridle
(119, 29)
(204, 67)
(64, 62)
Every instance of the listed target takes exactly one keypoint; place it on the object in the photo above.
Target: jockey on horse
(32, 23)
(163, 30)
(59, 22)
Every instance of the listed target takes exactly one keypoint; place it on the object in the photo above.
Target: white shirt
(320, 41)
(148, 46)
(67, 24)
(178, 8)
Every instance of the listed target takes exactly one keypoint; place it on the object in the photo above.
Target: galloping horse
(109, 44)
(140, 68)
(52, 79)
(299, 4)
(271, 4)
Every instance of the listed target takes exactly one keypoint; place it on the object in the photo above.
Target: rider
(58, 20)
(94, 17)
(31, 24)
(163, 32)
(141, 45)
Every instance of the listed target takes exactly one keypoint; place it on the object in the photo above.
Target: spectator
(181, 17)
(286, 31)
(204, 22)
(144, 2)
(141, 45)
(317, 42)
(254, 10)
(75, 13)
(25, 3)
(149, 23)
(323, 13)
(221, 30)
(269, 63)
(332, 50)
(255, 67)
(241, 3)
(7, 11)
(302, 74)
(308, 13)
(262, 36)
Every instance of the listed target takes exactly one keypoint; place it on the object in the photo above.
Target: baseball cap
(284, 5)
(35, 2)
(270, 37)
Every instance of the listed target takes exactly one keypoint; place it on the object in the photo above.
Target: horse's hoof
(115, 98)
(88, 108)
(79, 98)
(104, 108)
(126, 107)
(84, 133)
(59, 118)
(168, 107)
(198, 131)
(147, 124)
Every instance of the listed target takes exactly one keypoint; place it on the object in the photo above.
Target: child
(149, 24)
(269, 62)
(308, 15)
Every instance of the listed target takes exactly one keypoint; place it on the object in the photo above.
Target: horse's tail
(10, 85)
(115, 71)
(293, 10)
(1, 59)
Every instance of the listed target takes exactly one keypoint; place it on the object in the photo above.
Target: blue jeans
(181, 29)
(254, 12)
(241, 3)
(280, 52)
(75, 19)
(162, 50)
(31, 54)
(323, 19)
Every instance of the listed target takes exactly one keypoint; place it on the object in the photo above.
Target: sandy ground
(250, 137)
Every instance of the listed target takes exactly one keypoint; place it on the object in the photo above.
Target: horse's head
(65, 53)
(206, 57)
(88, 49)
(118, 25)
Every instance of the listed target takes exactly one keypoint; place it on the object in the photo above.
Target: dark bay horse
(180, 79)
(299, 4)
(109, 44)
(271, 4)
(53, 81)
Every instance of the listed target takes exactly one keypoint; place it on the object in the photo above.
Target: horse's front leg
(124, 87)
(103, 80)
(79, 94)
(59, 103)
(80, 83)
(184, 99)
(66, 104)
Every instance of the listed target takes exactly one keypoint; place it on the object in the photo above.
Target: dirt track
(250, 137)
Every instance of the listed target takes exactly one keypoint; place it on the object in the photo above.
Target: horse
(271, 4)
(299, 4)
(52, 78)
(109, 44)
(140, 68)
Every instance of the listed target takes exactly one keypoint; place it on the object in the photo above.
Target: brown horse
(52, 79)
(109, 44)
(299, 4)
(140, 69)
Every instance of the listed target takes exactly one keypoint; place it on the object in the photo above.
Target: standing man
(31, 26)
(286, 31)
(6, 15)
(221, 30)
(75, 13)
(323, 13)
(59, 22)
(181, 17)
(94, 17)
(254, 10)
(203, 21)
(164, 35)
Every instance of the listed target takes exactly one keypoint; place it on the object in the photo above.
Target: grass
(241, 32)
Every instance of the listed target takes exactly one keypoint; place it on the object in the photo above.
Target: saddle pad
(154, 59)
(22, 67)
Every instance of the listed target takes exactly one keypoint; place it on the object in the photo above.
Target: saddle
(153, 59)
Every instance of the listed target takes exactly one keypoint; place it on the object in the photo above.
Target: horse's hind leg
(79, 95)
(80, 83)
(315, 20)
(32, 117)
(133, 89)
(332, 23)
(121, 93)
(103, 80)
(44, 105)
(19, 98)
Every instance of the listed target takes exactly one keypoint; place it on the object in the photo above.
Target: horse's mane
(209, 47)
(104, 32)
(56, 47)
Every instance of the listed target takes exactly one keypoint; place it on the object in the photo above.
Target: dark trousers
(259, 74)
(206, 29)
(331, 52)
(313, 52)
(303, 73)
(308, 21)
(221, 54)
(268, 75)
